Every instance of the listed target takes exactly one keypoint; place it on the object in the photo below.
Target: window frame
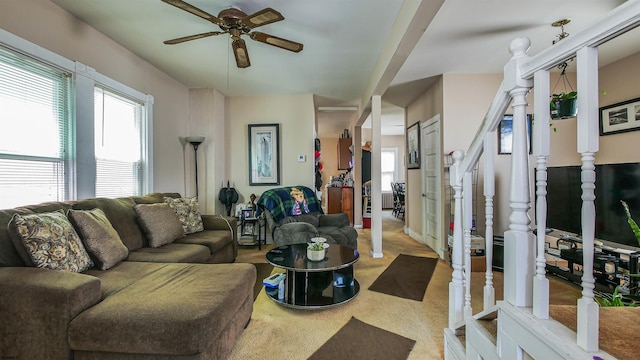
(80, 179)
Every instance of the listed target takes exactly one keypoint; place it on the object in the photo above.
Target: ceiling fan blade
(262, 17)
(193, 10)
(240, 52)
(276, 41)
(192, 37)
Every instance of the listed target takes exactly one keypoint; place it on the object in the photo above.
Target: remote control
(273, 280)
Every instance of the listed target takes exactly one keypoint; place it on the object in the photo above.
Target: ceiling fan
(235, 22)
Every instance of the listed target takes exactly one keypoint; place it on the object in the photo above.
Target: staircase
(519, 327)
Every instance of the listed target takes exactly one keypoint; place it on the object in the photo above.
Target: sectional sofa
(140, 283)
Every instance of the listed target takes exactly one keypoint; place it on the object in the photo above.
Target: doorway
(431, 184)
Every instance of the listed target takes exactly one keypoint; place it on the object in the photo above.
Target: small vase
(315, 255)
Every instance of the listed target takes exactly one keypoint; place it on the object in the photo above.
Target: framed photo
(505, 134)
(620, 117)
(413, 146)
(247, 213)
(264, 154)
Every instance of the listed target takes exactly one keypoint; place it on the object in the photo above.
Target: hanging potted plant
(564, 105)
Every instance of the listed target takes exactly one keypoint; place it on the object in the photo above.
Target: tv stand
(611, 266)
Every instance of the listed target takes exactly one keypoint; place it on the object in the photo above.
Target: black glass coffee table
(315, 284)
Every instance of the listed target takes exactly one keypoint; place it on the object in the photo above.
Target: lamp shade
(195, 140)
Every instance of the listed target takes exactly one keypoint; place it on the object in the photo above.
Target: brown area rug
(618, 332)
(359, 340)
(406, 277)
(264, 270)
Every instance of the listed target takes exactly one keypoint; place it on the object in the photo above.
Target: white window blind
(118, 144)
(34, 120)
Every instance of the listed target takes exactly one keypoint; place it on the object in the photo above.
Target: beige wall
(618, 82)
(423, 108)
(47, 25)
(295, 114)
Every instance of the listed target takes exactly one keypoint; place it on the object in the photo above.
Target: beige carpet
(277, 332)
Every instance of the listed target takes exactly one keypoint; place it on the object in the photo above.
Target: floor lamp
(195, 141)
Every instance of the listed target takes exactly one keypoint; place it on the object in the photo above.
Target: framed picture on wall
(620, 117)
(413, 146)
(264, 154)
(505, 134)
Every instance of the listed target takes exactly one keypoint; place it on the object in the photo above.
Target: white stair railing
(526, 286)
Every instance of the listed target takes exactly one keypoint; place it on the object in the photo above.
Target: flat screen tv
(614, 182)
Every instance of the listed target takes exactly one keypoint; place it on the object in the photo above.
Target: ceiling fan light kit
(236, 23)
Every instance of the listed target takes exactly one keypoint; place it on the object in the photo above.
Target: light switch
(302, 158)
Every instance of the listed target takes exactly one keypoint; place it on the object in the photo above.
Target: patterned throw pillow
(160, 223)
(51, 241)
(100, 238)
(188, 213)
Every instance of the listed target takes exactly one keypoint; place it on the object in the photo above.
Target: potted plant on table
(315, 251)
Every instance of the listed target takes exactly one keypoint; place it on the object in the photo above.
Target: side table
(254, 228)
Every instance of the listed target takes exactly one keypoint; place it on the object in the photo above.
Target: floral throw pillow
(51, 241)
(188, 213)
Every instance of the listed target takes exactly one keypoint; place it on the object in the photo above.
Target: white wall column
(376, 173)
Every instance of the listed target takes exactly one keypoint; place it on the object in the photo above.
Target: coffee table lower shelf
(316, 299)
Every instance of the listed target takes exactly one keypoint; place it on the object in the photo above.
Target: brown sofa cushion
(50, 241)
(184, 316)
(122, 217)
(212, 239)
(160, 223)
(172, 253)
(99, 237)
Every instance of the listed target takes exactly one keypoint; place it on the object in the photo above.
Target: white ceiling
(342, 41)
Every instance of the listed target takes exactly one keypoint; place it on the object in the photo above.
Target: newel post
(519, 243)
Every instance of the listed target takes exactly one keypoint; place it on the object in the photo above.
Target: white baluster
(456, 286)
(541, 150)
(467, 208)
(588, 143)
(489, 191)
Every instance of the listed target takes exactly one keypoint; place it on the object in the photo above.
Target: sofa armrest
(338, 220)
(36, 306)
(221, 222)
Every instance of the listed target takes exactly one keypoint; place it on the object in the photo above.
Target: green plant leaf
(632, 223)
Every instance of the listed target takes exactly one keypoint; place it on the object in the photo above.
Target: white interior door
(431, 165)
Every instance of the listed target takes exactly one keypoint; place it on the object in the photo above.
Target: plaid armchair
(294, 216)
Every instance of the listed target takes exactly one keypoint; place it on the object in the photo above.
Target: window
(118, 144)
(389, 161)
(34, 127)
(66, 131)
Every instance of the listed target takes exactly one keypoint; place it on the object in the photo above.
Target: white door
(431, 165)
